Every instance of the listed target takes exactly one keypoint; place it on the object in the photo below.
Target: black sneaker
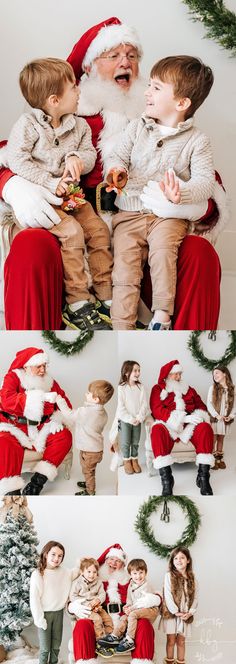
(109, 640)
(104, 311)
(82, 485)
(104, 652)
(86, 318)
(125, 645)
(82, 493)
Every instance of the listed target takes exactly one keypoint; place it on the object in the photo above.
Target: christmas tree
(18, 558)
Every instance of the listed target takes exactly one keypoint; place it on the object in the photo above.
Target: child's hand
(74, 167)
(170, 187)
(95, 602)
(62, 188)
(114, 447)
(116, 179)
(185, 616)
(135, 423)
(127, 609)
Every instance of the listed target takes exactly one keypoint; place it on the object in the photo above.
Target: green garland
(67, 348)
(145, 530)
(219, 21)
(197, 352)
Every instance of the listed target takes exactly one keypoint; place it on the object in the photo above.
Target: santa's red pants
(12, 455)
(34, 284)
(84, 640)
(162, 444)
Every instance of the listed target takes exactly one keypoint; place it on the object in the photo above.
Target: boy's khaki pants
(136, 236)
(102, 623)
(75, 231)
(89, 461)
(128, 624)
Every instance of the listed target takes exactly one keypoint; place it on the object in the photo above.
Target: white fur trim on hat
(116, 553)
(10, 484)
(176, 369)
(47, 469)
(205, 459)
(109, 37)
(37, 359)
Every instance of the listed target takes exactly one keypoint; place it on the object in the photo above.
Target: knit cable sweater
(145, 153)
(38, 152)
(49, 592)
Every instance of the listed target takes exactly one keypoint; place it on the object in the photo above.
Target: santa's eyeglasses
(117, 57)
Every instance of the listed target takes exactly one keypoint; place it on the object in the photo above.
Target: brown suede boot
(128, 467)
(136, 466)
(221, 463)
(217, 461)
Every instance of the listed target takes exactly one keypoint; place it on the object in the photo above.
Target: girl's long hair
(126, 370)
(176, 577)
(218, 389)
(42, 564)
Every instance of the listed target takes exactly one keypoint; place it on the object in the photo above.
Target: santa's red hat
(114, 551)
(170, 367)
(29, 357)
(101, 37)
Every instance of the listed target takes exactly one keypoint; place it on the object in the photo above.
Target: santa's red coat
(18, 402)
(162, 406)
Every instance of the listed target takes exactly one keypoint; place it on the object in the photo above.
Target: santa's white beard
(178, 387)
(118, 575)
(30, 382)
(97, 94)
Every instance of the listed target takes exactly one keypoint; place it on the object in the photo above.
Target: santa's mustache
(123, 71)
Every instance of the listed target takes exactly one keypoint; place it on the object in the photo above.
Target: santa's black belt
(24, 420)
(100, 199)
(114, 608)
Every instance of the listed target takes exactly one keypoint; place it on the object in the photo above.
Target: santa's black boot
(34, 487)
(167, 480)
(17, 492)
(203, 480)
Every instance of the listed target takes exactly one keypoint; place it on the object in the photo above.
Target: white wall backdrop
(96, 523)
(51, 27)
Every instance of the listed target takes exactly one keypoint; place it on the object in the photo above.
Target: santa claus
(29, 418)
(116, 581)
(106, 62)
(179, 414)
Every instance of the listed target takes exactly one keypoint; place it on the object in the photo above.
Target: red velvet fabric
(84, 641)
(197, 301)
(33, 282)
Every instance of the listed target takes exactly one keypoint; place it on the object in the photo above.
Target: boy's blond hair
(102, 390)
(87, 562)
(189, 77)
(41, 78)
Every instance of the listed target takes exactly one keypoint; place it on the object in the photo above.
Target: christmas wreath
(145, 530)
(67, 347)
(197, 352)
(219, 21)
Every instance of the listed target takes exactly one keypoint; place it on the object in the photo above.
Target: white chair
(181, 452)
(31, 457)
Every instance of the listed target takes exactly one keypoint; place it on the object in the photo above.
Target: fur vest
(177, 590)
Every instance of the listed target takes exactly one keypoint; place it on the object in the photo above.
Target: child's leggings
(50, 638)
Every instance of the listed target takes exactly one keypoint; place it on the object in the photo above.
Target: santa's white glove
(42, 624)
(193, 419)
(155, 200)
(50, 397)
(31, 203)
(55, 427)
(78, 609)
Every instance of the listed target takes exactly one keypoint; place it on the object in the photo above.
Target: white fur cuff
(205, 459)
(10, 484)
(162, 461)
(47, 469)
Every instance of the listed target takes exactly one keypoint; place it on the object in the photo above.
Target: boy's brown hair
(189, 77)
(41, 78)
(137, 563)
(87, 562)
(102, 390)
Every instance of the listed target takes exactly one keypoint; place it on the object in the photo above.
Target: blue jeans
(129, 439)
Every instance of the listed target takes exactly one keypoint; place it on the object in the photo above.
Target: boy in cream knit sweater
(90, 420)
(50, 146)
(163, 145)
(88, 590)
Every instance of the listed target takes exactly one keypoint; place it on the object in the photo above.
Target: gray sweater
(37, 151)
(146, 154)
